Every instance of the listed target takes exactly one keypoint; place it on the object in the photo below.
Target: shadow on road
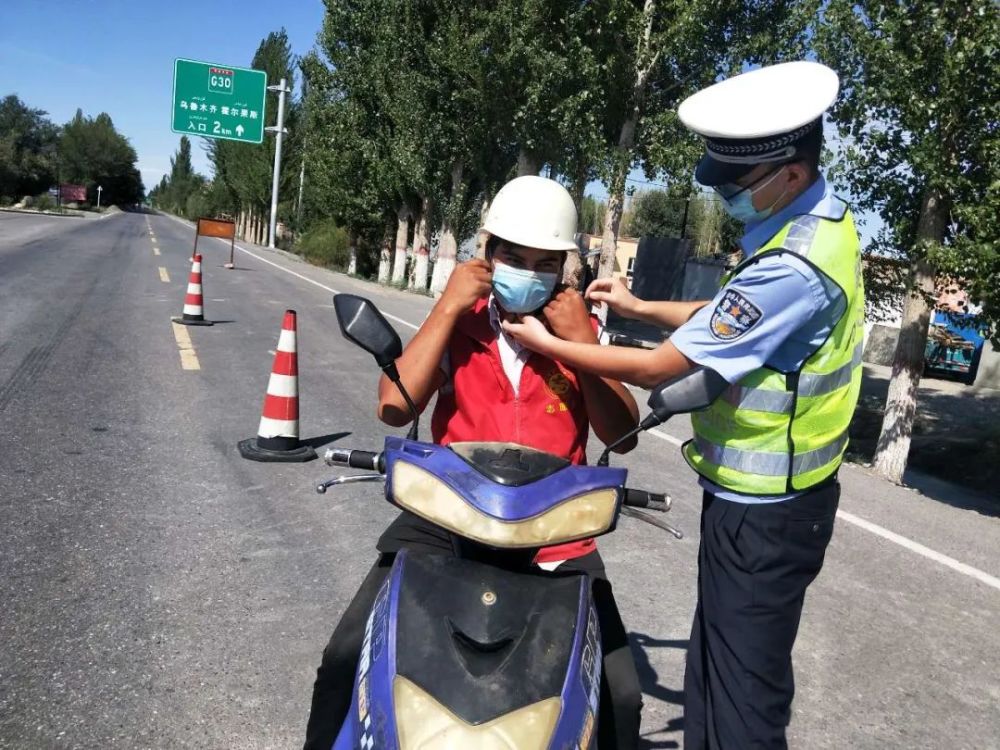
(319, 442)
(650, 681)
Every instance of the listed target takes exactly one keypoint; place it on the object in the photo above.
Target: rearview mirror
(361, 322)
(691, 391)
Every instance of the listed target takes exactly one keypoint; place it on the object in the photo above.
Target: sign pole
(279, 129)
(99, 189)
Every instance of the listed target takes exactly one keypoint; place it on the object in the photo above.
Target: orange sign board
(217, 228)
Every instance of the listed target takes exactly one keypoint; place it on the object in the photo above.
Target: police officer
(786, 331)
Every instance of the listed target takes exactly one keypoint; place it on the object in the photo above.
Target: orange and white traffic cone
(194, 304)
(278, 435)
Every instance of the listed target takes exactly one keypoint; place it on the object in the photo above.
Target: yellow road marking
(189, 359)
(156, 250)
(164, 276)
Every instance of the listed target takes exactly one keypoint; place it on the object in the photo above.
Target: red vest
(479, 404)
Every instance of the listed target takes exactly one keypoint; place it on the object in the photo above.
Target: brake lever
(348, 479)
(652, 521)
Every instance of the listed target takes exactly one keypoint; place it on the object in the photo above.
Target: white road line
(873, 528)
(920, 549)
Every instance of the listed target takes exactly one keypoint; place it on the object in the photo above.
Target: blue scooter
(485, 651)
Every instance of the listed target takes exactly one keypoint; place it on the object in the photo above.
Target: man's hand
(469, 283)
(615, 294)
(568, 318)
(530, 332)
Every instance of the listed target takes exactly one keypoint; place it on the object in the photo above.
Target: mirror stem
(648, 423)
(393, 374)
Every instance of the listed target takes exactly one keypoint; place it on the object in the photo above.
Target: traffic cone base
(278, 435)
(253, 450)
(192, 321)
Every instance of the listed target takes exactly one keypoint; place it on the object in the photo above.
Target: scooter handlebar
(355, 459)
(649, 500)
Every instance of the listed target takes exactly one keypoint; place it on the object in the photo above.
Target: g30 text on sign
(218, 101)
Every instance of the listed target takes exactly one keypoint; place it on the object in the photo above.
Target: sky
(118, 57)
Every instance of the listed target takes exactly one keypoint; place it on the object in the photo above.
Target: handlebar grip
(651, 500)
(355, 459)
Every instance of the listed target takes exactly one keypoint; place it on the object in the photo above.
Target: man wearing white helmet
(786, 331)
(490, 388)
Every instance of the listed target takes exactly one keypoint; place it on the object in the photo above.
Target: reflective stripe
(812, 384)
(769, 464)
(800, 235)
(759, 399)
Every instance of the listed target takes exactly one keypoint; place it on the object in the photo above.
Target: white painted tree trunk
(448, 245)
(402, 231)
(385, 256)
(352, 249)
(422, 244)
(893, 447)
(482, 236)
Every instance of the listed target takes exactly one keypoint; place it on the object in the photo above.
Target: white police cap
(761, 116)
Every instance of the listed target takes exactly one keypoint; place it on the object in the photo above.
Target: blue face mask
(521, 291)
(738, 201)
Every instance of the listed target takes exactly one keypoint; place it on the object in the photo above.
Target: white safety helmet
(533, 212)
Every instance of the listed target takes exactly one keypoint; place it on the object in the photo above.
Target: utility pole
(279, 129)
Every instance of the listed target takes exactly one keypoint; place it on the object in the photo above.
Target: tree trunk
(527, 163)
(448, 245)
(908, 364)
(482, 236)
(352, 250)
(402, 233)
(422, 244)
(626, 144)
(385, 255)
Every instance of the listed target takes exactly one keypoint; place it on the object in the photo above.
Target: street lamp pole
(279, 129)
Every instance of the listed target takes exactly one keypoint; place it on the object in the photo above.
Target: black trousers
(621, 694)
(755, 563)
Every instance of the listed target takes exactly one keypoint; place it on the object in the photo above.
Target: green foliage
(92, 153)
(325, 244)
(713, 231)
(920, 114)
(591, 218)
(656, 213)
(28, 143)
(179, 192)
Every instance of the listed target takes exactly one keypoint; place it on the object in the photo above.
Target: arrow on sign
(239, 130)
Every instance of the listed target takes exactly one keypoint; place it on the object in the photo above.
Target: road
(160, 591)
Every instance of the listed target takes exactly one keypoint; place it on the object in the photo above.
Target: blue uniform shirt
(776, 312)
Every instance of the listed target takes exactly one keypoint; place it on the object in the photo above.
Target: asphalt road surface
(157, 590)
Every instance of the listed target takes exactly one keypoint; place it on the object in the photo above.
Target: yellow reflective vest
(779, 432)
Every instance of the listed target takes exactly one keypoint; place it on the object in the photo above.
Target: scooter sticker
(590, 659)
(371, 647)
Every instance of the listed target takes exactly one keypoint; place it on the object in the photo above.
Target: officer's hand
(469, 283)
(615, 294)
(568, 318)
(530, 332)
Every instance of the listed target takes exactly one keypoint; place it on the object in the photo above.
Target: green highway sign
(218, 101)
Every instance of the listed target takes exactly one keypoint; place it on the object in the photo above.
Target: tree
(656, 213)
(920, 112)
(28, 142)
(677, 47)
(180, 191)
(591, 219)
(92, 153)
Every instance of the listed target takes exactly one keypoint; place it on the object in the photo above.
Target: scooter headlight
(420, 492)
(425, 724)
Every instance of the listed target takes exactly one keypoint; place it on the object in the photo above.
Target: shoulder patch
(733, 316)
